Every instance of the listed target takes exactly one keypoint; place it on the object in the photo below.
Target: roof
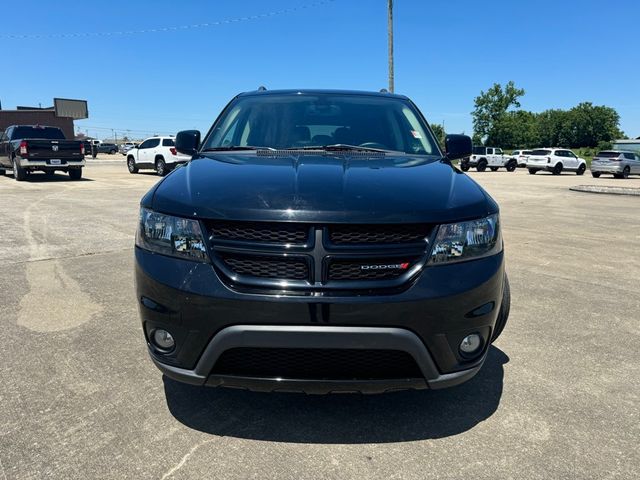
(312, 91)
(637, 140)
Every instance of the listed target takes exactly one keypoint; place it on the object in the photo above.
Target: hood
(320, 188)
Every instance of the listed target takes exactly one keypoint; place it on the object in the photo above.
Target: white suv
(555, 160)
(521, 156)
(158, 153)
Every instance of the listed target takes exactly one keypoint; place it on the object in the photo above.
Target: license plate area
(55, 161)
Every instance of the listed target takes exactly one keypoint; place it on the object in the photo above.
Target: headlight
(175, 236)
(457, 242)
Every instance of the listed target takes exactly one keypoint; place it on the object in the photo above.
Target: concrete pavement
(557, 398)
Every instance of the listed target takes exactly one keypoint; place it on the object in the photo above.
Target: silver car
(621, 164)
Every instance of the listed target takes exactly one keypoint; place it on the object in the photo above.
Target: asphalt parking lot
(558, 397)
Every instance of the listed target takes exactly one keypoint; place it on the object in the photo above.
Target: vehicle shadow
(43, 178)
(340, 418)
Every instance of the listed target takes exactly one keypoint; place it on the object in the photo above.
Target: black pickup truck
(28, 148)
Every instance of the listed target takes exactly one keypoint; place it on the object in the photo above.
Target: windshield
(317, 120)
(49, 133)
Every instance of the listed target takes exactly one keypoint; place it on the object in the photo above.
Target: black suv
(320, 241)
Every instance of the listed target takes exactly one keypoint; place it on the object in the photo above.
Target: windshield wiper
(235, 148)
(339, 147)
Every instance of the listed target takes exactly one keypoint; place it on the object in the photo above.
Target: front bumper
(427, 320)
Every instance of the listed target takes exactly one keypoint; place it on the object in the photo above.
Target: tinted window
(608, 154)
(167, 142)
(49, 133)
(526, 152)
(307, 120)
(479, 150)
(540, 152)
(152, 142)
(629, 156)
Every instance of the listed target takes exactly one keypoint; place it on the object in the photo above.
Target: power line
(169, 29)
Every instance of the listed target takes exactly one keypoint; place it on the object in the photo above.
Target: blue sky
(561, 52)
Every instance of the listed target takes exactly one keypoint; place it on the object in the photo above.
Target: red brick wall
(33, 117)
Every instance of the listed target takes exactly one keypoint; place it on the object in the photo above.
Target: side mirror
(188, 141)
(457, 146)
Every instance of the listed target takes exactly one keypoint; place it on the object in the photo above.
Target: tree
(439, 133)
(491, 106)
(517, 129)
(593, 124)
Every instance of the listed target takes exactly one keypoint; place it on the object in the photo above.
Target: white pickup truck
(491, 157)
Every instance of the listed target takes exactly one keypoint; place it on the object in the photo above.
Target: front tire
(505, 308)
(131, 165)
(464, 167)
(626, 172)
(161, 167)
(557, 170)
(533, 171)
(482, 166)
(595, 174)
(75, 173)
(581, 169)
(511, 166)
(112, 152)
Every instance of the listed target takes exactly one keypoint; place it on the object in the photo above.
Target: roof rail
(262, 88)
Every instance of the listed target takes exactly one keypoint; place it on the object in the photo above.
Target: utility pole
(390, 34)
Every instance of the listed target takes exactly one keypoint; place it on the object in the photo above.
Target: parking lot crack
(184, 459)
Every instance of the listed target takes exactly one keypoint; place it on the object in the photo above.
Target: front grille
(317, 364)
(377, 270)
(277, 233)
(267, 267)
(378, 234)
(310, 256)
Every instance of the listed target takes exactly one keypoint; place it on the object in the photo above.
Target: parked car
(483, 157)
(617, 162)
(126, 146)
(555, 160)
(158, 153)
(110, 148)
(520, 156)
(29, 148)
(343, 252)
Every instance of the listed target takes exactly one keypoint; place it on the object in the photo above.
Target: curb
(630, 191)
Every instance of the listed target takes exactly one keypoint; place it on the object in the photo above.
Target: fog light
(471, 344)
(163, 339)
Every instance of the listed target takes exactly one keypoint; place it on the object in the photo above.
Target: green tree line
(498, 121)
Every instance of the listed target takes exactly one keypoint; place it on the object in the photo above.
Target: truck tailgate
(45, 149)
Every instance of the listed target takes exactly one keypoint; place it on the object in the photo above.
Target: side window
(489, 151)
(152, 142)
(571, 154)
(167, 142)
(498, 151)
(9, 132)
(145, 144)
(560, 153)
(628, 156)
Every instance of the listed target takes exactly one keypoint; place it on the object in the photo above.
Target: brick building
(37, 116)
